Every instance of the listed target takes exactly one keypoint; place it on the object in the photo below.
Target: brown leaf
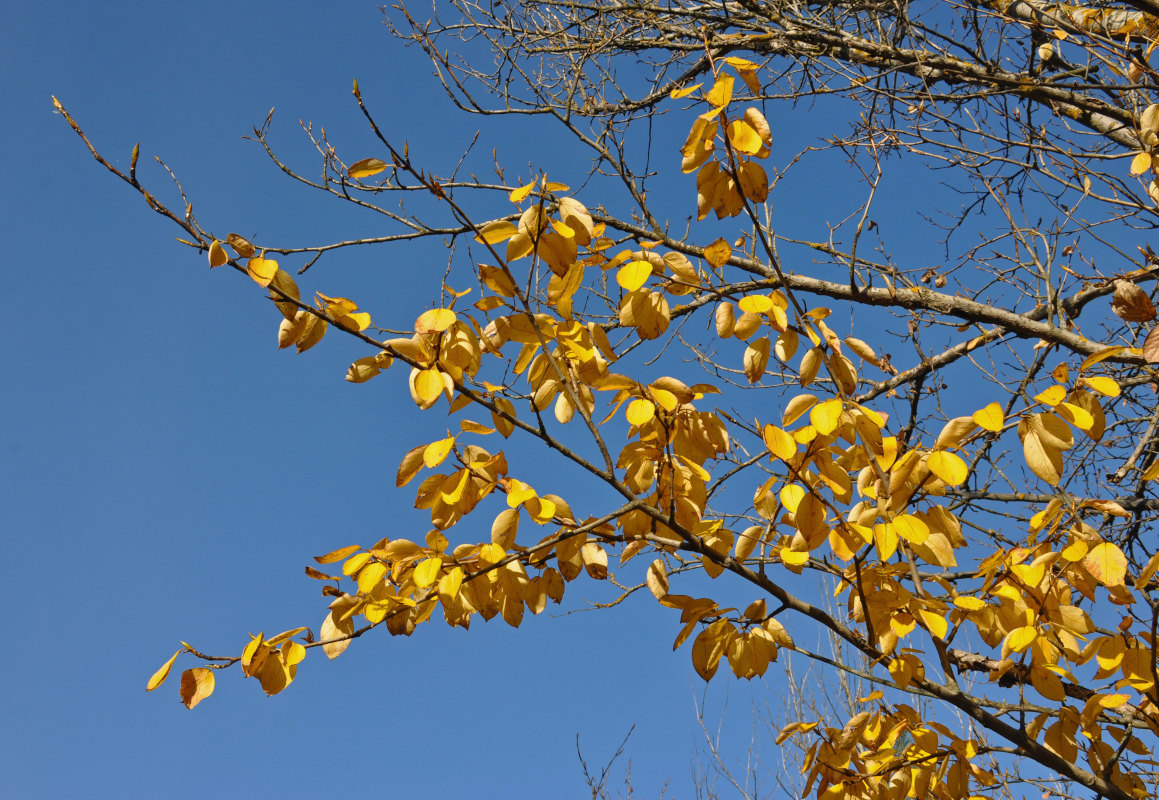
(1151, 347)
(1131, 304)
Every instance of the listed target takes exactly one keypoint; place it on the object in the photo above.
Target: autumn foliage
(979, 505)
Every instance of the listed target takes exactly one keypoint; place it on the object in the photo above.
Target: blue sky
(167, 473)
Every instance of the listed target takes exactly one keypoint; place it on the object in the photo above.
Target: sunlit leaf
(1106, 564)
(948, 466)
(217, 254)
(366, 168)
(161, 674)
(261, 270)
(633, 275)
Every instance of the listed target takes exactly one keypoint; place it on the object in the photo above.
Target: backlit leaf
(520, 194)
(633, 275)
(217, 254)
(990, 417)
(366, 168)
(640, 411)
(718, 253)
(160, 675)
(1106, 564)
(1103, 385)
(261, 270)
(948, 466)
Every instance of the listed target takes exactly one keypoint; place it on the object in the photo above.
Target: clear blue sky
(155, 480)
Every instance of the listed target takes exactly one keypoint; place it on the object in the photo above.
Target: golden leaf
(718, 253)
(520, 194)
(755, 303)
(160, 675)
(1106, 564)
(1140, 163)
(435, 320)
(796, 407)
(948, 466)
(640, 411)
(990, 417)
(826, 416)
(756, 359)
(426, 571)
(196, 685)
(743, 138)
(1103, 385)
(633, 275)
(366, 168)
(1019, 639)
(779, 442)
(721, 92)
(217, 254)
(335, 556)
(436, 452)
(261, 270)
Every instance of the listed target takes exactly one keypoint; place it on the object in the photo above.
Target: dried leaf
(1131, 304)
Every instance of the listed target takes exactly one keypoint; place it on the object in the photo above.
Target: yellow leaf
(495, 232)
(520, 194)
(633, 275)
(518, 493)
(910, 528)
(796, 407)
(721, 92)
(1101, 355)
(1140, 163)
(366, 168)
(217, 254)
(1103, 385)
(743, 138)
(1044, 461)
(826, 416)
(948, 466)
(755, 303)
(1021, 638)
(436, 452)
(428, 385)
(676, 94)
(1052, 396)
(967, 603)
(426, 571)
(935, 623)
(450, 584)
(718, 253)
(335, 556)
(261, 270)
(793, 558)
(1106, 564)
(779, 442)
(1113, 700)
(435, 320)
(640, 411)
(160, 675)
(196, 685)
(990, 417)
